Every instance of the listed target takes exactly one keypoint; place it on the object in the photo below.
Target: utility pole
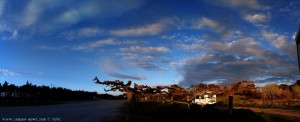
(297, 39)
(51, 93)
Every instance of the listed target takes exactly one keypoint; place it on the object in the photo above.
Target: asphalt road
(89, 111)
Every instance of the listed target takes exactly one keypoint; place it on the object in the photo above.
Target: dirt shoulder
(289, 114)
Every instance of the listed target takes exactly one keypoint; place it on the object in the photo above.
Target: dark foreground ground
(88, 111)
(116, 111)
(158, 112)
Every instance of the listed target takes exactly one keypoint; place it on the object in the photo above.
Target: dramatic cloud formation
(244, 57)
(153, 42)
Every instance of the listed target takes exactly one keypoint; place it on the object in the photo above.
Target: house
(206, 98)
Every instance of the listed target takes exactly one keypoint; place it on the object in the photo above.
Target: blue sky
(150, 42)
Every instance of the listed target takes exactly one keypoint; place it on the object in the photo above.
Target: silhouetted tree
(1, 90)
(6, 88)
(31, 93)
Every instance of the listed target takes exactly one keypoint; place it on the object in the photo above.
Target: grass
(165, 112)
(242, 101)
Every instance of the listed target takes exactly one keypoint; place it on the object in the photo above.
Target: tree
(272, 91)
(120, 86)
(5, 88)
(244, 87)
(296, 91)
(1, 89)
(214, 88)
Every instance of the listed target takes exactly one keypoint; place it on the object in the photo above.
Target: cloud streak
(242, 57)
(2, 6)
(125, 76)
(244, 4)
(150, 29)
(96, 44)
(146, 49)
(52, 48)
(9, 72)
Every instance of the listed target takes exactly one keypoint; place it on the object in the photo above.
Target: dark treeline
(28, 94)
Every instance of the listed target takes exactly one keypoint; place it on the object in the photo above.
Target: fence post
(230, 104)
(188, 102)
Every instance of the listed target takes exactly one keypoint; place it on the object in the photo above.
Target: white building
(205, 99)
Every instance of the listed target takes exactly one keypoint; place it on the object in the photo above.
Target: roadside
(293, 115)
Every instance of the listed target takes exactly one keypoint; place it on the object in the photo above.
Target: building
(205, 98)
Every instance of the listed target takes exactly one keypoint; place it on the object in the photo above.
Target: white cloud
(294, 36)
(246, 46)
(2, 6)
(70, 16)
(279, 41)
(14, 34)
(150, 29)
(146, 49)
(153, 56)
(252, 4)
(216, 26)
(110, 64)
(209, 23)
(89, 31)
(269, 36)
(32, 11)
(256, 18)
(9, 72)
(191, 47)
(127, 56)
(92, 9)
(96, 44)
(82, 32)
(52, 48)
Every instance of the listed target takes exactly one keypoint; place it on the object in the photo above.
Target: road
(88, 111)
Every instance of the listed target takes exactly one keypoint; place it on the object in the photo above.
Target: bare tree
(120, 86)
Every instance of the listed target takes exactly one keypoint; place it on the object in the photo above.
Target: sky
(150, 42)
